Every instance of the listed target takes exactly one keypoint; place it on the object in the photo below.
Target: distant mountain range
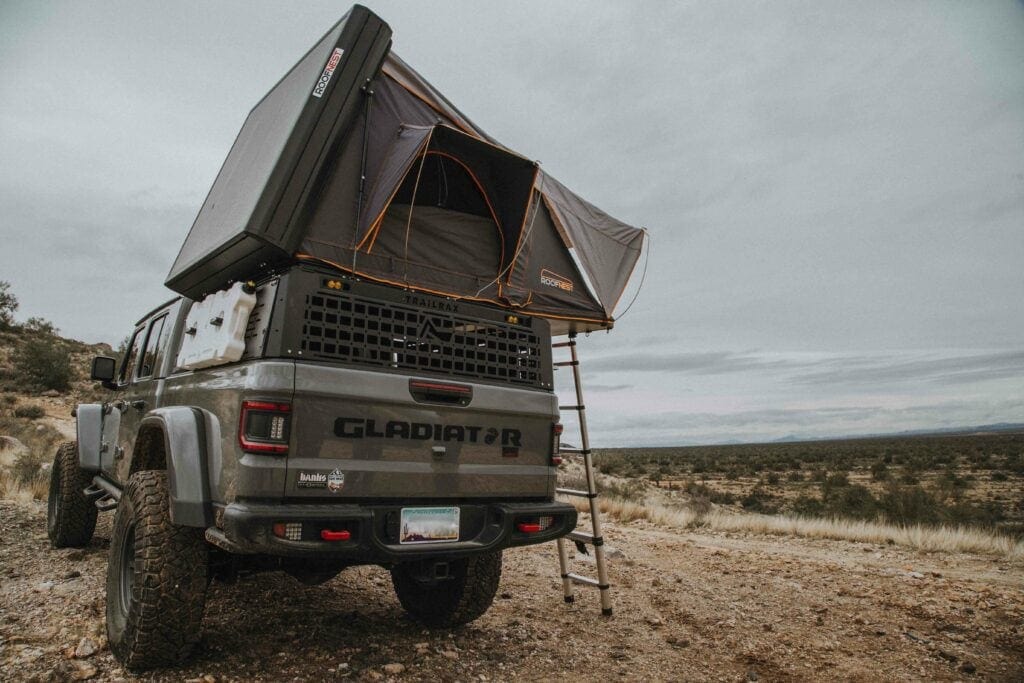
(975, 429)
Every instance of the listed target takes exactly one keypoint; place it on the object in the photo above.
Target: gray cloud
(952, 370)
(700, 363)
(607, 388)
(845, 370)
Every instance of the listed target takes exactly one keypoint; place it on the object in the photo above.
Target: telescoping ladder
(582, 539)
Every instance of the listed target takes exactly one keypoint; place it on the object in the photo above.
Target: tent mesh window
(353, 329)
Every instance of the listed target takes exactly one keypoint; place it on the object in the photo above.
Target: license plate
(429, 525)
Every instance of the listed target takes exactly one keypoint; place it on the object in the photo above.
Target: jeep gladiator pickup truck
(363, 424)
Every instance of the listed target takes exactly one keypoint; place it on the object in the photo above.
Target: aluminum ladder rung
(584, 537)
(585, 580)
(566, 363)
(573, 451)
(577, 493)
(577, 408)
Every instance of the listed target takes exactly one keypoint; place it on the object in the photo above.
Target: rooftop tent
(408, 191)
(254, 212)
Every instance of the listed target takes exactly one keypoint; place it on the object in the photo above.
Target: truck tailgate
(360, 434)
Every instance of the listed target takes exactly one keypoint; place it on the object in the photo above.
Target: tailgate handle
(441, 393)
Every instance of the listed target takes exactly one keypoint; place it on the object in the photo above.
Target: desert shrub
(908, 477)
(950, 484)
(630, 489)
(700, 506)
(999, 476)
(38, 437)
(627, 490)
(795, 476)
(808, 506)
(613, 464)
(759, 500)
(40, 326)
(772, 479)
(909, 505)
(28, 465)
(711, 495)
(44, 362)
(851, 501)
(8, 305)
(29, 411)
(836, 480)
(987, 514)
(879, 471)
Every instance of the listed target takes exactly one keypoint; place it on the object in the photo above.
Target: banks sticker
(312, 480)
(325, 77)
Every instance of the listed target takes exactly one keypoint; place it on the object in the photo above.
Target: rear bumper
(373, 530)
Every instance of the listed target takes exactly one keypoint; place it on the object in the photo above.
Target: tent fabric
(420, 197)
(405, 76)
(608, 248)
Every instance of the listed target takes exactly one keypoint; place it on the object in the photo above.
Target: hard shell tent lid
(412, 193)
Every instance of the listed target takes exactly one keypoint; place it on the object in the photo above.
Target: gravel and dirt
(688, 606)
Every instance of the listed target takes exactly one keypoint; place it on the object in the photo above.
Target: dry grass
(14, 489)
(930, 539)
(24, 457)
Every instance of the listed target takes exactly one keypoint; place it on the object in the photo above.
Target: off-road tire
(455, 601)
(70, 516)
(156, 578)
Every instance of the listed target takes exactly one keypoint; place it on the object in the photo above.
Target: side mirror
(104, 368)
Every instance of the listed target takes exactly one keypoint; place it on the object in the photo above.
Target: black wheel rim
(127, 573)
(53, 500)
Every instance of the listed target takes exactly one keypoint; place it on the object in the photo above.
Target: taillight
(535, 524)
(264, 427)
(291, 531)
(556, 443)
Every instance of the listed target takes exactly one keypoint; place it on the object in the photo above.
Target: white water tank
(215, 328)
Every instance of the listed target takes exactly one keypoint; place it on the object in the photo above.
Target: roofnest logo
(555, 280)
(325, 77)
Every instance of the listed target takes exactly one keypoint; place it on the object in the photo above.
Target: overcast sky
(834, 191)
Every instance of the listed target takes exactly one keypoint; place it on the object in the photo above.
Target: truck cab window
(154, 343)
(130, 360)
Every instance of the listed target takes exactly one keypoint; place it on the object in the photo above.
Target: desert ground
(688, 606)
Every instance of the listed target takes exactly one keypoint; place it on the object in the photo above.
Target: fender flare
(187, 450)
(89, 433)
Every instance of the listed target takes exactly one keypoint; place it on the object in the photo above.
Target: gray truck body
(404, 400)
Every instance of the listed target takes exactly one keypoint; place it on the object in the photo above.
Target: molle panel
(327, 317)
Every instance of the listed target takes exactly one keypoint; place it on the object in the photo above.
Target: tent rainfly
(354, 160)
